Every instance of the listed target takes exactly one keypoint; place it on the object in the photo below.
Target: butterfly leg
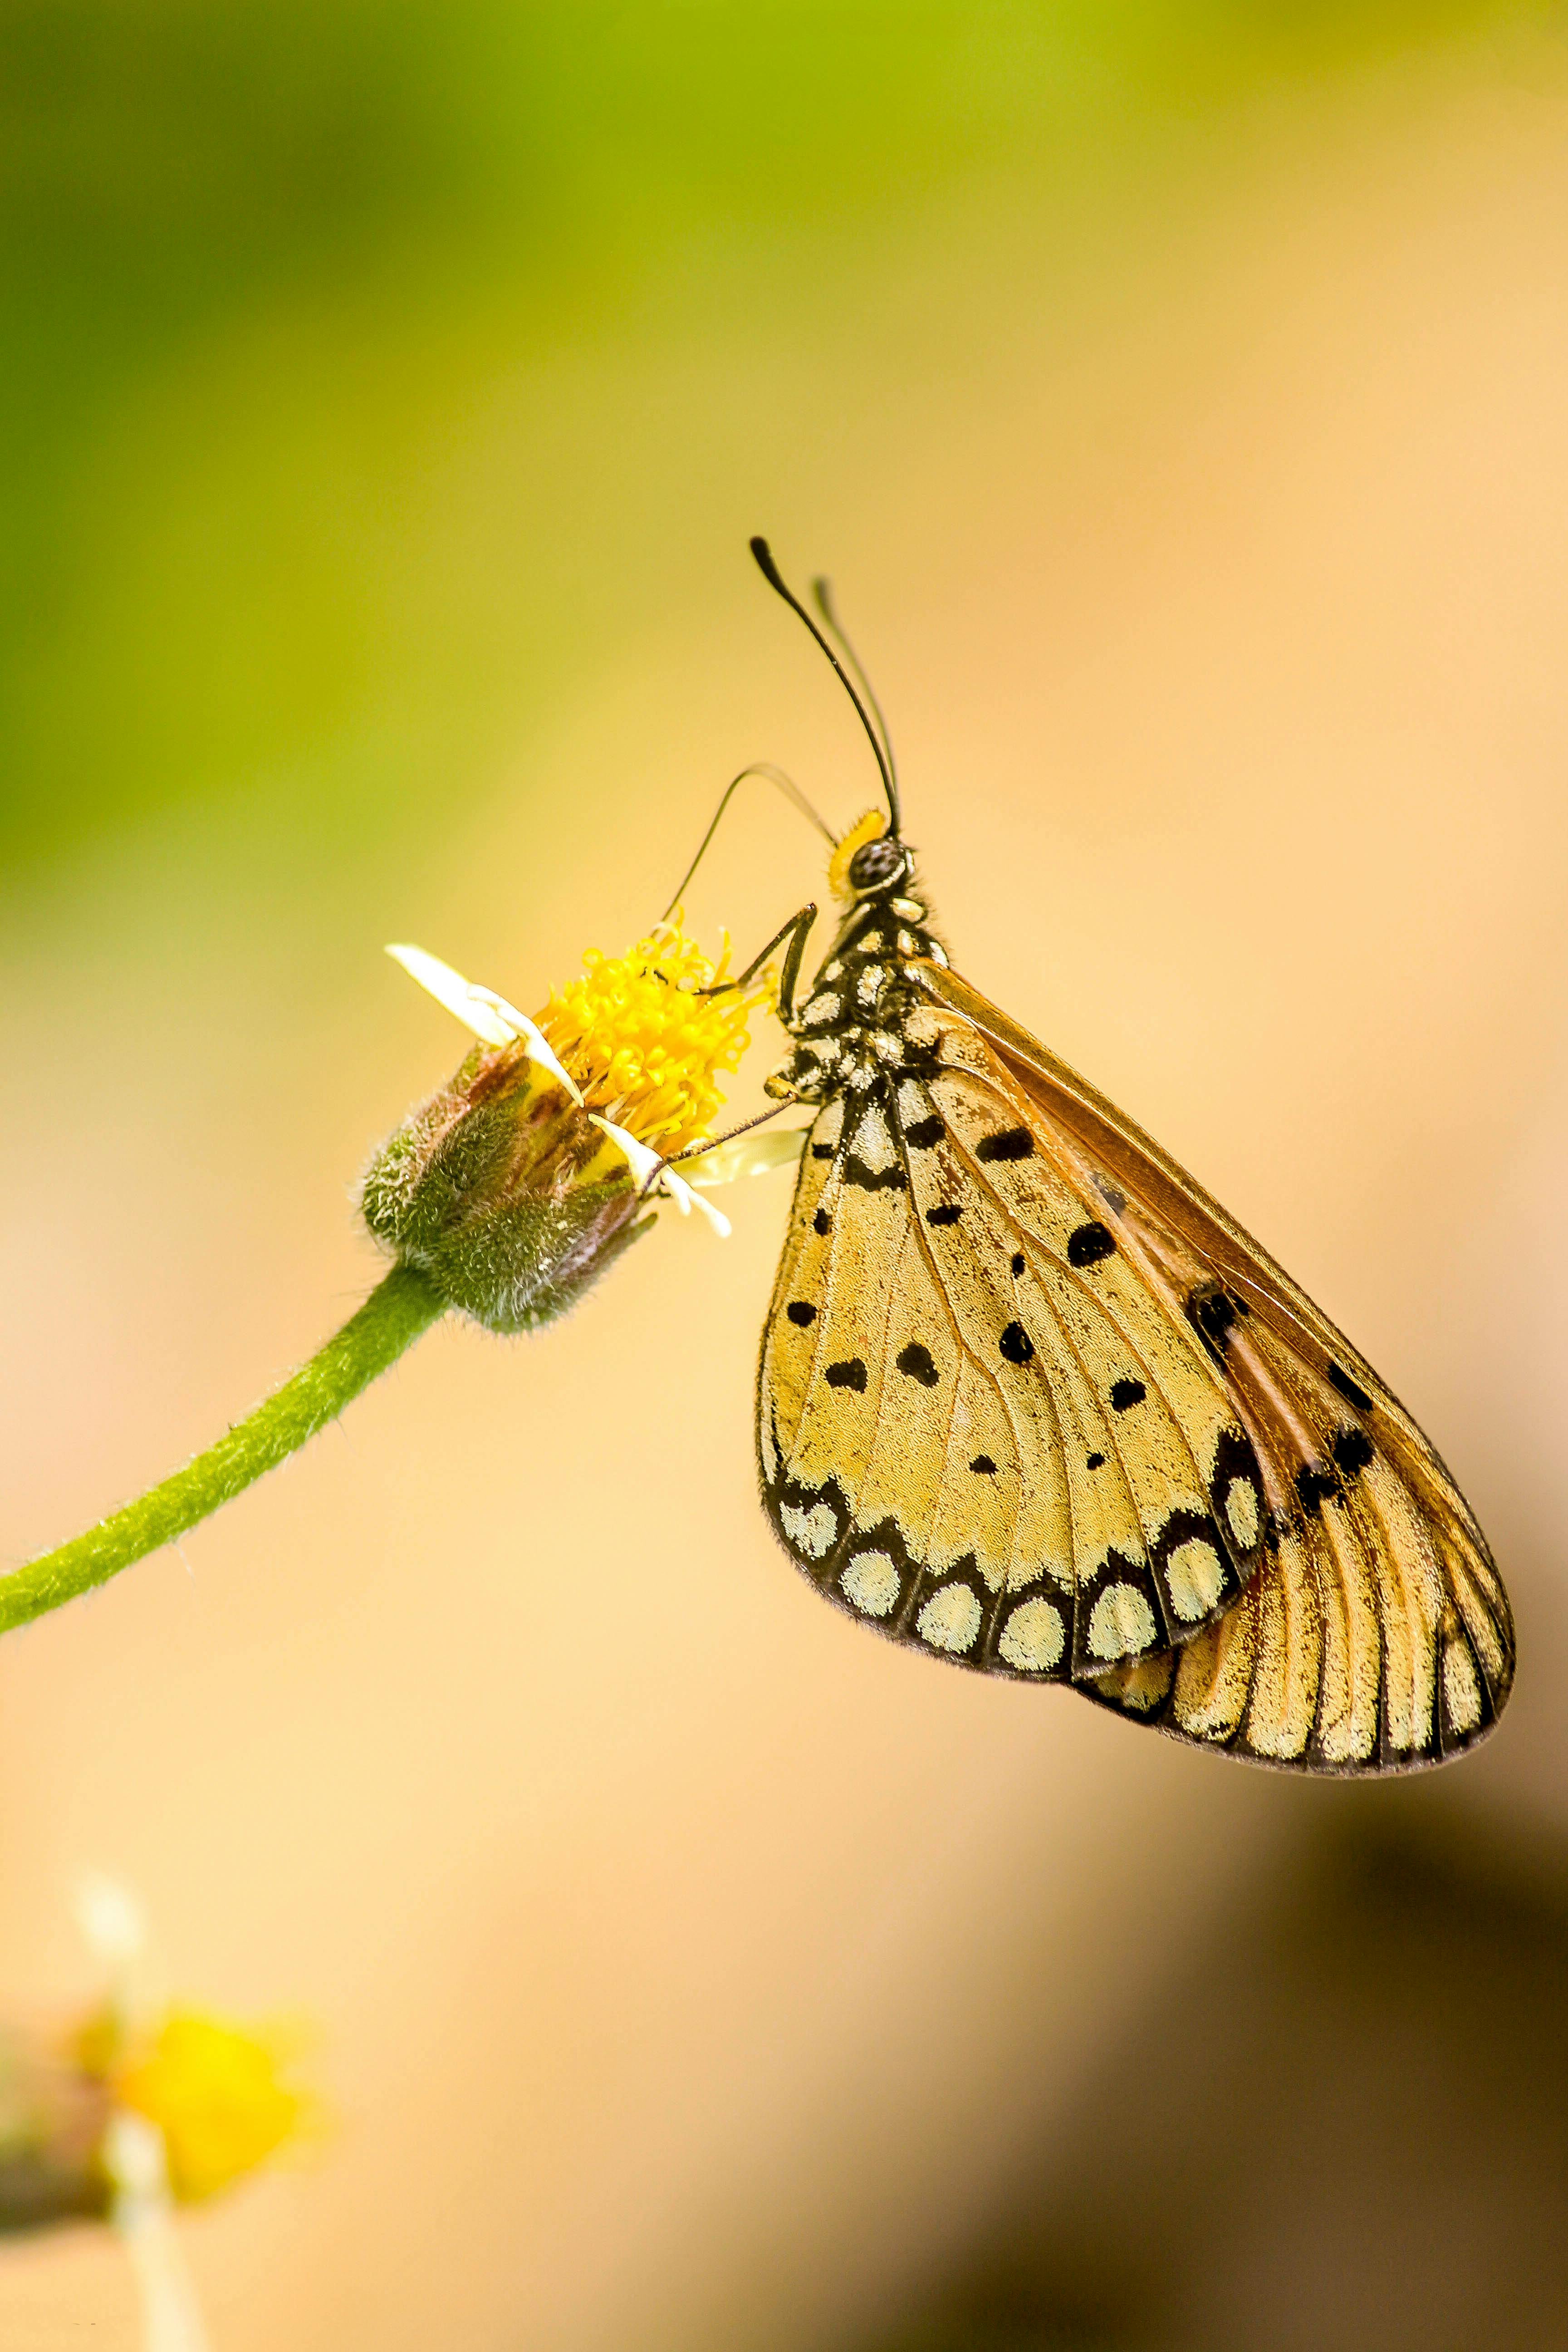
(796, 932)
(701, 1150)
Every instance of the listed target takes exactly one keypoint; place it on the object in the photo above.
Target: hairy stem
(404, 1304)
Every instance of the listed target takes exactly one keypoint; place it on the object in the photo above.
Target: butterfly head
(870, 862)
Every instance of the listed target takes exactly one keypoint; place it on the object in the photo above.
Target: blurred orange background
(1191, 457)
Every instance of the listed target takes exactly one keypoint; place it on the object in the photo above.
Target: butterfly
(1032, 1401)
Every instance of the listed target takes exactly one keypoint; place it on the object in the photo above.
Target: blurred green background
(273, 272)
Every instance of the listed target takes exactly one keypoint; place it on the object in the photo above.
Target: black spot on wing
(1184, 1527)
(948, 1213)
(1350, 1390)
(924, 1133)
(1211, 1315)
(800, 1311)
(874, 1180)
(822, 1223)
(1011, 1143)
(1234, 1458)
(1095, 1461)
(985, 1466)
(918, 1363)
(1125, 1394)
(1086, 1244)
(850, 1374)
(1015, 1344)
(823, 1151)
(1018, 1261)
(1352, 1450)
(1314, 1488)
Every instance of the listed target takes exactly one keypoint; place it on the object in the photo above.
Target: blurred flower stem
(397, 1311)
(143, 2212)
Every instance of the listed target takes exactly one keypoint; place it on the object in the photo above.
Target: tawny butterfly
(1032, 1401)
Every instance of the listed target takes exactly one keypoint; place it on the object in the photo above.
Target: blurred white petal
(111, 1920)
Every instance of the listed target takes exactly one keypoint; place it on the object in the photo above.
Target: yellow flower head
(642, 1042)
(213, 2089)
(516, 1185)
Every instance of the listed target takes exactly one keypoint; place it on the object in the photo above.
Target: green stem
(391, 1319)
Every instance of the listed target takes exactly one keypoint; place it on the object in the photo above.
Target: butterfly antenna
(771, 573)
(822, 597)
(786, 786)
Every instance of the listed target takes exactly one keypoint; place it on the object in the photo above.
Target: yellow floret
(644, 1046)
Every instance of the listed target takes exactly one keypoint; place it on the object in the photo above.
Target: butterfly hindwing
(1150, 1444)
(1376, 1635)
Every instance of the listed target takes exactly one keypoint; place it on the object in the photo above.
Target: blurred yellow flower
(214, 2092)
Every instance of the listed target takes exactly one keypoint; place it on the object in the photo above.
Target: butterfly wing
(980, 1427)
(1377, 1635)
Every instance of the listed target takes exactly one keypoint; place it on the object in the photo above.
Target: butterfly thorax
(860, 1028)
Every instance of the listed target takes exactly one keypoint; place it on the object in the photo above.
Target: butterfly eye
(877, 864)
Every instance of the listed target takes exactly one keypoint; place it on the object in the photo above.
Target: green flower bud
(529, 1173)
(504, 1192)
(52, 2119)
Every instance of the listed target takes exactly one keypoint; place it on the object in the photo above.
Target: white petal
(539, 1046)
(746, 1155)
(111, 1923)
(643, 1162)
(111, 1920)
(716, 1217)
(493, 1021)
(459, 995)
(648, 1166)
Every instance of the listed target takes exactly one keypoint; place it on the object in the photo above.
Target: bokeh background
(1175, 392)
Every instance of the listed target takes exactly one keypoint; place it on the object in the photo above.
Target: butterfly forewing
(979, 1428)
